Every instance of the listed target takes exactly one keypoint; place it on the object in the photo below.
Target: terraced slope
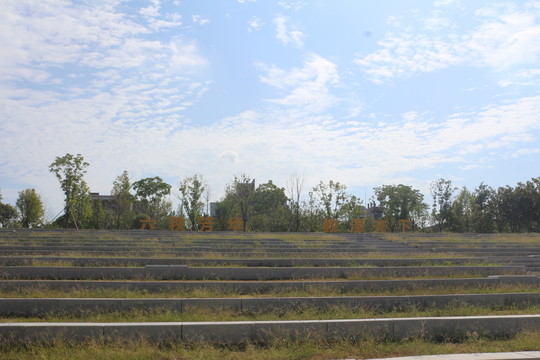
(256, 288)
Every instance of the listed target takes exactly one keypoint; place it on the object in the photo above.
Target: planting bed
(240, 289)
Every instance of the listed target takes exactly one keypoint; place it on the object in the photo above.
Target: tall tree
(124, 200)
(295, 186)
(151, 195)
(8, 214)
(442, 192)
(240, 192)
(269, 211)
(462, 211)
(69, 170)
(353, 208)
(82, 211)
(398, 202)
(330, 198)
(501, 205)
(482, 215)
(192, 190)
(31, 208)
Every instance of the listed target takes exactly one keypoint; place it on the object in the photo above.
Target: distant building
(107, 201)
(213, 208)
(375, 212)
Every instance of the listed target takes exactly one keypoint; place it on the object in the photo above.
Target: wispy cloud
(504, 37)
(287, 33)
(198, 19)
(254, 24)
(307, 87)
(118, 84)
(292, 5)
(84, 77)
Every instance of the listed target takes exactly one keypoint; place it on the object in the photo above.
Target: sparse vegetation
(304, 349)
(163, 245)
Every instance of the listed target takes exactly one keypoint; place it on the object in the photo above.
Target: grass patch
(65, 261)
(298, 312)
(465, 239)
(318, 291)
(305, 349)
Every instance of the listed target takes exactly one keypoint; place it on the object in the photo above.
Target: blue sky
(366, 93)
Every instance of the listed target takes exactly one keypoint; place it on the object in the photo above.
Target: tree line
(268, 207)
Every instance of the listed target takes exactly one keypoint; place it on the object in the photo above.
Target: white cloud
(229, 155)
(439, 3)
(506, 37)
(93, 80)
(198, 19)
(254, 24)
(286, 33)
(292, 5)
(184, 56)
(96, 81)
(308, 87)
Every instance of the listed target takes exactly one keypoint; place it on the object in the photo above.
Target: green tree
(240, 193)
(462, 211)
(295, 186)
(192, 190)
(353, 208)
(31, 208)
(482, 214)
(225, 209)
(442, 192)
(151, 197)
(501, 204)
(330, 198)
(124, 200)
(398, 202)
(525, 200)
(82, 211)
(269, 210)
(69, 171)
(312, 214)
(8, 214)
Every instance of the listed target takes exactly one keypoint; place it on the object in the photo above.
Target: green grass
(304, 349)
(269, 255)
(484, 239)
(37, 261)
(283, 314)
(43, 292)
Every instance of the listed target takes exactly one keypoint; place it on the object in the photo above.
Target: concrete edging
(264, 331)
(70, 306)
(518, 355)
(182, 272)
(261, 287)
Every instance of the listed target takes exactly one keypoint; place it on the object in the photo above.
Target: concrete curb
(458, 327)
(261, 287)
(182, 272)
(75, 306)
(519, 355)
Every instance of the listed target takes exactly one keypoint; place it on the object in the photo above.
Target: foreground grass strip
(303, 349)
(165, 272)
(351, 306)
(253, 262)
(289, 313)
(437, 328)
(43, 291)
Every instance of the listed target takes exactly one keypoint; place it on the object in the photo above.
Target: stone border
(261, 287)
(182, 272)
(74, 306)
(440, 328)
(518, 355)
